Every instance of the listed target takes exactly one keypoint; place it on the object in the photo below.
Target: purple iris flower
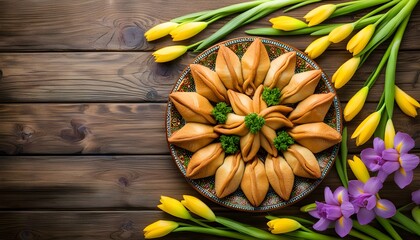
(388, 161)
(367, 206)
(415, 196)
(336, 208)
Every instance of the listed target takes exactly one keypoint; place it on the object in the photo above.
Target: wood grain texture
(111, 128)
(120, 25)
(135, 77)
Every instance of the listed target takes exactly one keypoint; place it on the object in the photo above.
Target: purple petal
(371, 202)
(322, 224)
(343, 226)
(341, 195)
(371, 159)
(390, 167)
(355, 188)
(385, 208)
(373, 185)
(365, 216)
(415, 196)
(409, 161)
(382, 175)
(402, 178)
(407, 143)
(314, 213)
(378, 145)
(333, 212)
(390, 155)
(329, 197)
(347, 209)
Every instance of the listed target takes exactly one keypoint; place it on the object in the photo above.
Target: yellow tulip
(359, 169)
(389, 134)
(317, 47)
(173, 207)
(355, 104)
(196, 206)
(345, 72)
(319, 14)
(287, 23)
(340, 33)
(187, 30)
(283, 225)
(366, 128)
(170, 53)
(159, 229)
(359, 41)
(160, 30)
(406, 103)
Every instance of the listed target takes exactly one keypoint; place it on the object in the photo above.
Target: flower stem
(407, 222)
(359, 235)
(388, 227)
(370, 231)
(200, 223)
(310, 235)
(214, 231)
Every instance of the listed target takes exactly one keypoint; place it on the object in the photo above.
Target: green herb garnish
(220, 112)
(254, 122)
(271, 96)
(230, 143)
(283, 141)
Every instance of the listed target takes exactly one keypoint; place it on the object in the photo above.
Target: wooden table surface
(82, 108)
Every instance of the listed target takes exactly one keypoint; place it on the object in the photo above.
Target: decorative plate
(237, 200)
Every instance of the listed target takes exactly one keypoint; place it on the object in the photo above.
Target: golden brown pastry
(274, 117)
(228, 67)
(258, 104)
(302, 161)
(193, 136)
(255, 64)
(205, 161)
(281, 71)
(241, 103)
(300, 86)
(229, 175)
(267, 136)
(208, 83)
(254, 183)
(234, 125)
(312, 109)
(193, 107)
(250, 144)
(315, 136)
(280, 175)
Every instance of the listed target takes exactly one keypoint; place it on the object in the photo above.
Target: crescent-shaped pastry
(302, 161)
(258, 103)
(315, 136)
(255, 183)
(250, 144)
(229, 175)
(274, 117)
(255, 64)
(312, 109)
(241, 103)
(280, 175)
(208, 83)
(193, 136)
(193, 107)
(228, 67)
(234, 125)
(281, 71)
(205, 161)
(300, 86)
(267, 136)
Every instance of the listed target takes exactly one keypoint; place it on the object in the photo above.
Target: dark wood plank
(120, 25)
(111, 128)
(135, 77)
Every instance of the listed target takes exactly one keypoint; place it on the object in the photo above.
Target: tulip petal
(385, 208)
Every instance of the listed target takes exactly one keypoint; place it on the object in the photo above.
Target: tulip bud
(359, 169)
(355, 104)
(359, 41)
(366, 128)
(317, 47)
(406, 103)
(319, 14)
(283, 225)
(159, 229)
(170, 53)
(187, 30)
(196, 206)
(173, 207)
(287, 23)
(340, 33)
(160, 30)
(389, 134)
(345, 72)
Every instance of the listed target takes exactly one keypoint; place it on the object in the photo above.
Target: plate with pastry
(253, 124)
